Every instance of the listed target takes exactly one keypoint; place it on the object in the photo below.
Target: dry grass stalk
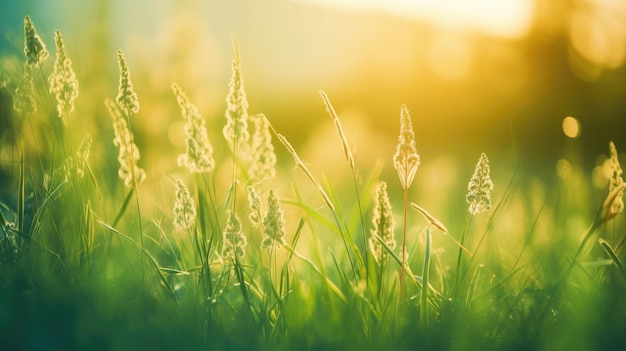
(305, 169)
(342, 135)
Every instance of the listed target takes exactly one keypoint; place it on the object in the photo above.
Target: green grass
(89, 263)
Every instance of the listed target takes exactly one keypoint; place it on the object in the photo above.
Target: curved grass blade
(173, 271)
(151, 258)
(407, 269)
(330, 284)
(20, 196)
(609, 250)
(122, 209)
(425, 278)
(313, 214)
(37, 218)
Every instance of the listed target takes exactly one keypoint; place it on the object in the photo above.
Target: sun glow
(499, 18)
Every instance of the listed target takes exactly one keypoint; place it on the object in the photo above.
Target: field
(232, 240)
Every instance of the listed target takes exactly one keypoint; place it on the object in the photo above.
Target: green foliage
(80, 269)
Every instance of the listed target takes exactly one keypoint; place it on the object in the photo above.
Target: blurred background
(494, 76)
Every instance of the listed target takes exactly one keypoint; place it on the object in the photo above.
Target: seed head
(82, 155)
(24, 102)
(184, 209)
(199, 153)
(34, 48)
(406, 160)
(607, 210)
(63, 83)
(274, 222)
(128, 151)
(616, 180)
(480, 187)
(262, 152)
(382, 224)
(236, 128)
(75, 166)
(234, 242)
(126, 97)
(254, 201)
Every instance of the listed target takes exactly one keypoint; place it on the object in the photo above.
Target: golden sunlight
(449, 56)
(500, 18)
(597, 32)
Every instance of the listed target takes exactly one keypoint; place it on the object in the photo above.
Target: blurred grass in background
(486, 74)
(480, 76)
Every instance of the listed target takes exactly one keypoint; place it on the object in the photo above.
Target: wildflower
(126, 97)
(406, 160)
(254, 202)
(184, 209)
(34, 48)
(63, 83)
(274, 222)
(24, 102)
(616, 181)
(263, 156)
(383, 224)
(480, 187)
(199, 153)
(234, 241)
(128, 151)
(236, 128)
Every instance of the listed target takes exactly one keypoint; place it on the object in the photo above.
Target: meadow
(238, 243)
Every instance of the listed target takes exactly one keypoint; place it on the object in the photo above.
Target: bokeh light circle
(571, 127)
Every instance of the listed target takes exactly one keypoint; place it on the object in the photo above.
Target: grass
(80, 268)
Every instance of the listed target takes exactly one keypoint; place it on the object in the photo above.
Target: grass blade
(609, 250)
(122, 209)
(425, 278)
(143, 250)
(330, 284)
(20, 196)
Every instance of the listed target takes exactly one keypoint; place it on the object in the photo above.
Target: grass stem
(403, 248)
(457, 277)
(425, 281)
